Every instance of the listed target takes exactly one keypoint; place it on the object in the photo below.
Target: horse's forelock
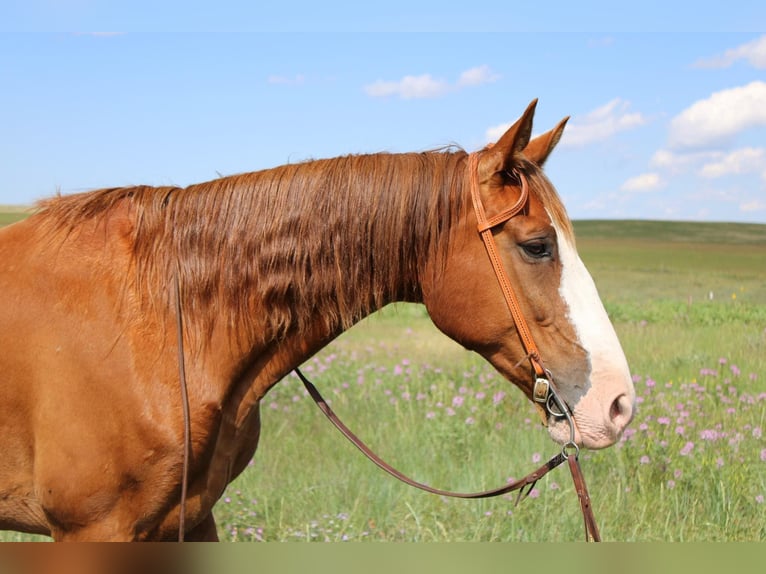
(549, 197)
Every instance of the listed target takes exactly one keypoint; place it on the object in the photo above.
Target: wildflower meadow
(692, 466)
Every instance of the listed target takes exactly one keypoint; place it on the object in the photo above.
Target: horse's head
(556, 295)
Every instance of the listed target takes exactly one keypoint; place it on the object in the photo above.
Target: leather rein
(544, 392)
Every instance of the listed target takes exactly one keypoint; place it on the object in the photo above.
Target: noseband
(544, 393)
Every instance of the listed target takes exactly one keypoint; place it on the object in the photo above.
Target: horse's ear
(541, 147)
(502, 155)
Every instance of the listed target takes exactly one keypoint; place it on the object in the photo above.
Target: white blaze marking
(586, 311)
(609, 375)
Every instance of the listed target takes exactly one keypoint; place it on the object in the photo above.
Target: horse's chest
(233, 445)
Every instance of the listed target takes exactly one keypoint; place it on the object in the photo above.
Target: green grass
(688, 302)
(12, 213)
(708, 233)
(307, 483)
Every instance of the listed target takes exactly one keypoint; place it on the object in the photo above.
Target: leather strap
(582, 493)
(485, 226)
(529, 480)
(185, 408)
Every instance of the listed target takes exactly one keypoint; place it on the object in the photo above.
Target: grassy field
(12, 213)
(689, 303)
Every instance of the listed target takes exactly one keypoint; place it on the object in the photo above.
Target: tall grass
(692, 466)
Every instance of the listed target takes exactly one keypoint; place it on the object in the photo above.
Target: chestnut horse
(271, 266)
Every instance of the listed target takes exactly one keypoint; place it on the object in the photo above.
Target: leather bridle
(544, 392)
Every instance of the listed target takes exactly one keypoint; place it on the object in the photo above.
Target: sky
(667, 101)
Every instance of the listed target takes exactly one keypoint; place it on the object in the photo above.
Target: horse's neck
(307, 265)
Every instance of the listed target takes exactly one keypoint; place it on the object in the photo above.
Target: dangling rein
(528, 482)
(544, 393)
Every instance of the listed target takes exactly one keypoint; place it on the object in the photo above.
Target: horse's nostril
(621, 411)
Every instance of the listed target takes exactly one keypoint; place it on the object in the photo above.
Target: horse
(246, 277)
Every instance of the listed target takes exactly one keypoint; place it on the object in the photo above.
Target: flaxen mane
(337, 237)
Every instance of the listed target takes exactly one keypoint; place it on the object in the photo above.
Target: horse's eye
(536, 249)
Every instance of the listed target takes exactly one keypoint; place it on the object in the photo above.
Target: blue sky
(667, 104)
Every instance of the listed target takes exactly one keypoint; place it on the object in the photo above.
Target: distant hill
(672, 231)
(12, 213)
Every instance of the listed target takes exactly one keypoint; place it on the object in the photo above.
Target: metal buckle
(544, 394)
(541, 390)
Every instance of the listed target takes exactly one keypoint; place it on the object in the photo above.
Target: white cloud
(409, 87)
(719, 117)
(663, 158)
(753, 205)
(744, 160)
(477, 76)
(754, 52)
(644, 182)
(425, 86)
(680, 162)
(602, 123)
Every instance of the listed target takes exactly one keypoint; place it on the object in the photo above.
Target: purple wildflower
(709, 434)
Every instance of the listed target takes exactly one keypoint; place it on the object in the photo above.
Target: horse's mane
(340, 237)
(337, 238)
